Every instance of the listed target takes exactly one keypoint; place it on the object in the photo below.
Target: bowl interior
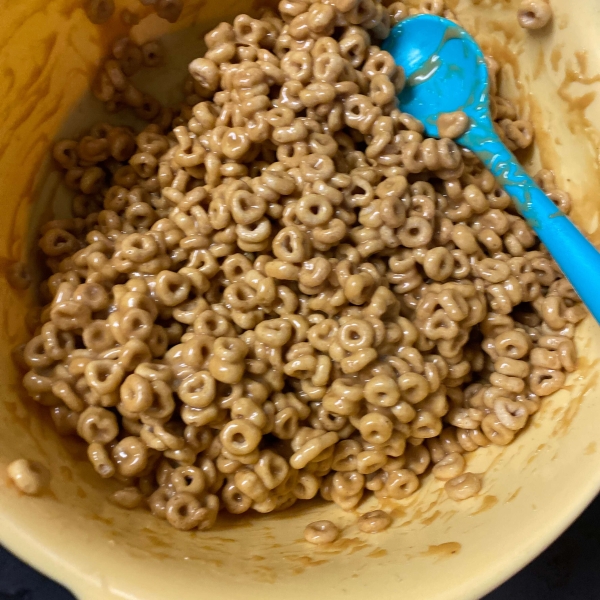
(436, 549)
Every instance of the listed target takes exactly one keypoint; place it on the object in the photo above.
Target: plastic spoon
(446, 72)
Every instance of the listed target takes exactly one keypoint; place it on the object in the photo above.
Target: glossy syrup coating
(282, 288)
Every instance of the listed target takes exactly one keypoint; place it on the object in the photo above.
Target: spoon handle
(574, 254)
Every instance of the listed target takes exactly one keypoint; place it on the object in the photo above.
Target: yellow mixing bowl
(436, 549)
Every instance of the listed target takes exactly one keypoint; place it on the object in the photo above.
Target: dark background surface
(569, 569)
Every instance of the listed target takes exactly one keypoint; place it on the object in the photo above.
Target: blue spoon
(446, 72)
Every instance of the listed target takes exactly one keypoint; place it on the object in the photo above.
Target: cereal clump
(284, 289)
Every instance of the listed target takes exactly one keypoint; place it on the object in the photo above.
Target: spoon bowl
(446, 72)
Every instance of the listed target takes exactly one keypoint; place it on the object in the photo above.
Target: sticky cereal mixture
(282, 288)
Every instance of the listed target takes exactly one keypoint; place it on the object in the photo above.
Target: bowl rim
(47, 559)
(77, 577)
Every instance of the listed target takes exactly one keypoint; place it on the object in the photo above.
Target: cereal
(129, 497)
(129, 18)
(452, 125)
(463, 486)
(28, 476)
(282, 289)
(169, 9)
(449, 467)
(99, 11)
(321, 532)
(534, 14)
(18, 276)
(374, 521)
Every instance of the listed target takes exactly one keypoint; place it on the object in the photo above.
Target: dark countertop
(568, 570)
